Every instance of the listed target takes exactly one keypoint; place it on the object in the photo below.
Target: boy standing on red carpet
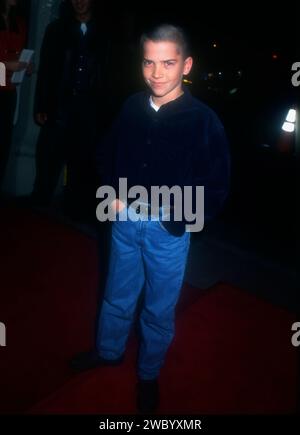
(162, 137)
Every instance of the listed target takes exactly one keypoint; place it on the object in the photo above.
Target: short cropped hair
(167, 32)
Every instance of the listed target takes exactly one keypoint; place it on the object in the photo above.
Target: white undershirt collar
(153, 105)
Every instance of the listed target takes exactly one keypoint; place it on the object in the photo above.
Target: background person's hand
(41, 118)
(15, 66)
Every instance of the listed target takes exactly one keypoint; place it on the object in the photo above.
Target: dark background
(255, 48)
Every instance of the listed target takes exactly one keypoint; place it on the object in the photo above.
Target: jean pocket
(162, 226)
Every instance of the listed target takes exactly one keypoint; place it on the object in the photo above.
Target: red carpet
(47, 301)
(232, 351)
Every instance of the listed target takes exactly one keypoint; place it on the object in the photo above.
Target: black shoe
(90, 360)
(147, 395)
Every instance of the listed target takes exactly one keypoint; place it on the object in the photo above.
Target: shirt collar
(83, 28)
(173, 106)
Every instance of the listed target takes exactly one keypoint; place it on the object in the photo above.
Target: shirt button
(145, 165)
(149, 141)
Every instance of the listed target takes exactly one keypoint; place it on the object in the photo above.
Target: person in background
(13, 34)
(70, 107)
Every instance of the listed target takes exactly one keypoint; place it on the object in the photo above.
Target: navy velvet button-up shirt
(183, 144)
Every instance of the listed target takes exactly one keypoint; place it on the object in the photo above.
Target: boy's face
(163, 68)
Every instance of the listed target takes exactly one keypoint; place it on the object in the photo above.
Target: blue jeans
(144, 256)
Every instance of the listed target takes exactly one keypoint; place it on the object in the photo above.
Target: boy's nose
(157, 71)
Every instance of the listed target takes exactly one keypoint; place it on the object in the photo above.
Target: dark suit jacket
(57, 62)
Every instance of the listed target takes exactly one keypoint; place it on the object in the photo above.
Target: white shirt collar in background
(83, 28)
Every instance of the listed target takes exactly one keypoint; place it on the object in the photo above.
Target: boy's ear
(188, 63)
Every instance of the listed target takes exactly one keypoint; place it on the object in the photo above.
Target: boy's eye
(169, 62)
(147, 62)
